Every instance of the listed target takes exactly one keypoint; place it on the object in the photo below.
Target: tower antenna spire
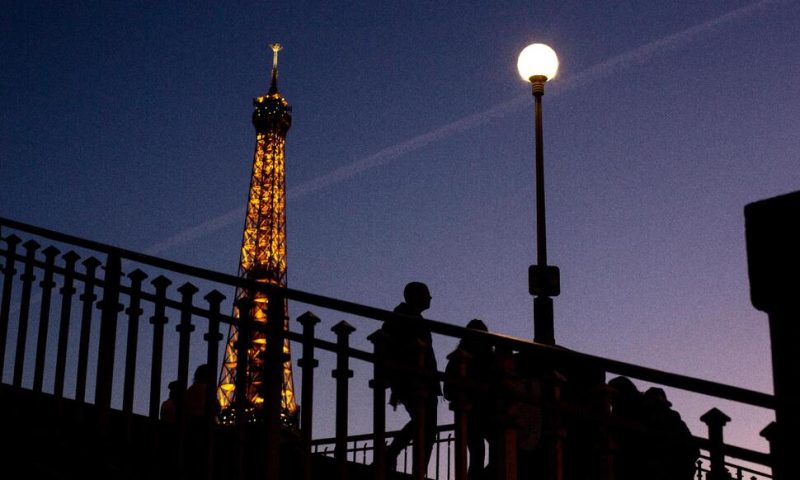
(276, 47)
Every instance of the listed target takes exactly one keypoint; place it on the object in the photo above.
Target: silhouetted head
(477, 324)
(201, 374)
(174, 387)
(475, 344)
(657, 396)
(417, 296)
(623, 390)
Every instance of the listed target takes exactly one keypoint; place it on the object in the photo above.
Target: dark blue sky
(411, 155)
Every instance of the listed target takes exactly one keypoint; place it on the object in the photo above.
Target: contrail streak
(599, 71)
(661, 46)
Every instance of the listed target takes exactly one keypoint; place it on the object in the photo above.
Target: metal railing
(736, 472)
(113, 327)
(360, 449)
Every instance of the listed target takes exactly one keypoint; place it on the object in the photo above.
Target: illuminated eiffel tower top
(263, 254)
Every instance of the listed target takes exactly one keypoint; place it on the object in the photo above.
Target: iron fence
(100, 331)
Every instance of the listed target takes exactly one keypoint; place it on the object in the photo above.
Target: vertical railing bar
(770, 434)
(5, 303)
(158, 320)
(88, 297)
(67, 291)
(213, 337)
(134, 312)
(243, 305)
(273, 380)
(460, 405)
(438, 447)
(715, 420)
(307, 364)
(27, 278)
(47, 285)
(184, 329)
(109, 308)
(378, 384)
(342, 374)
(419, 467)
(450, 447)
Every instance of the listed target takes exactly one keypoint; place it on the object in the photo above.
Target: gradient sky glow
(411, 156)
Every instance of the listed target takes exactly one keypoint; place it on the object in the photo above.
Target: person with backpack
(406, 381)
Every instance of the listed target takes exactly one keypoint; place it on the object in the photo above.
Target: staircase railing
(99, 329)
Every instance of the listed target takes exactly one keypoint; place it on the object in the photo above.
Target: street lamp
(537, 64)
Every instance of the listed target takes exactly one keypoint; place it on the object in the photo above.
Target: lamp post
(537, 64)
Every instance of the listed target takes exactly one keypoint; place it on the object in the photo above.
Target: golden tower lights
(263, 254)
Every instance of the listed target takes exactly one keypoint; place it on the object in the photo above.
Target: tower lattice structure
(263, 256)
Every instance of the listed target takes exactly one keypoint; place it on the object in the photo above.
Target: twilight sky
(411, 156)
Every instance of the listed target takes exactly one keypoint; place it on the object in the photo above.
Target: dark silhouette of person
(406, 382)
(169, 426)
(168, 412)
(672, 450)
(480, 368)
(627, 430)
(197, 393)
(197, 421)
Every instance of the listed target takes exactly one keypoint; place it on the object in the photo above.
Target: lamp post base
(543, 331)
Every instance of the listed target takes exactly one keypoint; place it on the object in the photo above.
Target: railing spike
(214, 296)
(137, 275)
(71, 257)
(47, 284)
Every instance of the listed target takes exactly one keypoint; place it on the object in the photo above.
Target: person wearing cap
(672, 450)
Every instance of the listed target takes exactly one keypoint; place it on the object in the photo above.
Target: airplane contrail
(599, 71)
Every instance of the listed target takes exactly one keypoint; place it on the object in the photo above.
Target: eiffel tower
(263, 256)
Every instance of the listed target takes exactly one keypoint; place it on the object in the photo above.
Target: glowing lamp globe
(537, 60)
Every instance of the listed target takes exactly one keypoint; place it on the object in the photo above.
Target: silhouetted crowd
(646, 437)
